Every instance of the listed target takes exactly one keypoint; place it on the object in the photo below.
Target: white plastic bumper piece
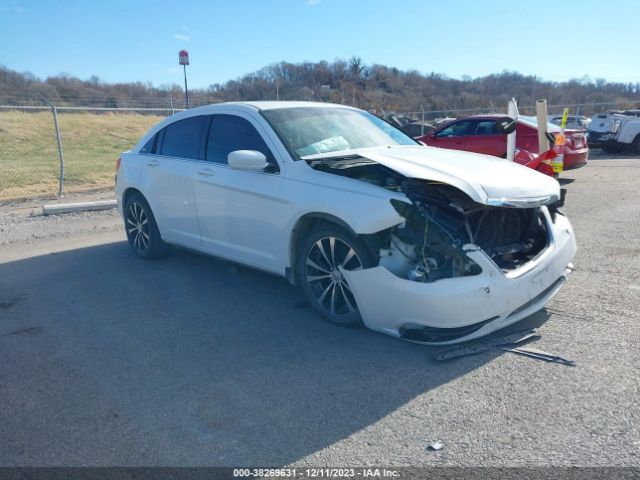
(388, 302)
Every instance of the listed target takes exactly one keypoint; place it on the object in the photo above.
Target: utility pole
(183, 57)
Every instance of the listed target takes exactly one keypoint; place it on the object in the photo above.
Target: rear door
(168, 182)
(454, 136)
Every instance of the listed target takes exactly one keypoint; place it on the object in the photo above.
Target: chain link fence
(92, 139)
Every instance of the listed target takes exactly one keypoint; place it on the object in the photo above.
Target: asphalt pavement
(108, 360)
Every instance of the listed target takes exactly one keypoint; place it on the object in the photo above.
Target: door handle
(207, 172)
(153, 163)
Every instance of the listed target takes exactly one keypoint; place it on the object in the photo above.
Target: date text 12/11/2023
(314, 473)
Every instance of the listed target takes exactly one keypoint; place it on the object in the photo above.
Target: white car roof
(257, 105)
(274, 105)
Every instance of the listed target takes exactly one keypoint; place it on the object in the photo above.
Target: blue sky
(139, 40)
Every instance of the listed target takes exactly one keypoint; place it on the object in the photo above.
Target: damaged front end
(442, 224)
(456, 268)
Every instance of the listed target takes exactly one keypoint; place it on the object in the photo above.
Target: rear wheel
(323, 252)
(635, 145)
(141, 228)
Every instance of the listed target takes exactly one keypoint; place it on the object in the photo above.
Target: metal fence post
(421, 121)
(54, 110)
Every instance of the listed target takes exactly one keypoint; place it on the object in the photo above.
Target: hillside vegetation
(343, 81)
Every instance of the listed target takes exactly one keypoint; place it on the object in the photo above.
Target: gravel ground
(109, 360)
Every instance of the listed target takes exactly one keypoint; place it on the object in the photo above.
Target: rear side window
(149, 147)
(229, 133)
(184, 138)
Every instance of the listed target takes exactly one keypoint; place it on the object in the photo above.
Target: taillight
(118, 163)
(570, 141)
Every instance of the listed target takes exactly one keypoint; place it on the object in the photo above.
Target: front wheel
(322, 252)
(141, 228)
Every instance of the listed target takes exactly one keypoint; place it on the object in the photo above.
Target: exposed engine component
(441, 220)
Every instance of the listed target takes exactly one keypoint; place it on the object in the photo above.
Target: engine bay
(442, 223)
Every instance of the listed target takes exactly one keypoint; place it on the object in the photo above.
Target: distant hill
(372, 87)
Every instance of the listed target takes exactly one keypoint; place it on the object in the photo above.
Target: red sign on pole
(183, 57)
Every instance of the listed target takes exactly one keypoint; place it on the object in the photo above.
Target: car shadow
(188, 360)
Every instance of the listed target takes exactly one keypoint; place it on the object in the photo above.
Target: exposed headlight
(525, 202)
(616, 126)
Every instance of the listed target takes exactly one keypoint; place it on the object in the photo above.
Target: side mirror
(507, 125)
(247, 160)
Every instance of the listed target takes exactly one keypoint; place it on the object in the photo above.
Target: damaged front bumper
(454, 310)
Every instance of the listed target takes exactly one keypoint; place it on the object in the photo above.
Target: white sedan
(429, 245)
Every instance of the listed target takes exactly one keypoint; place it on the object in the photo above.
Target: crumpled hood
(486, 179)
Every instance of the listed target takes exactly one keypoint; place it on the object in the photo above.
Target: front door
(453, 136)
(240, 212)
(485, 139)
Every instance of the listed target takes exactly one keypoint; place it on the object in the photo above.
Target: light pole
(183, 57)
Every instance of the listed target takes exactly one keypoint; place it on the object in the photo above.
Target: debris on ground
(435, 446)
(485, 344)
(538, 354)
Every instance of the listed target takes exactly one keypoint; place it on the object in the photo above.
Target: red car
(479, 134)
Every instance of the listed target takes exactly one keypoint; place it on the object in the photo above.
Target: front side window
(229, 133)
(317, 130)
(458, 129)
(184, 138)
(486, 127)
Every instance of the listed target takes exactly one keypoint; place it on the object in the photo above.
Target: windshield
(316, 130)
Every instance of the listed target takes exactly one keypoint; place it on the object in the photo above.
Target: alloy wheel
(138, 227)
(326, 282)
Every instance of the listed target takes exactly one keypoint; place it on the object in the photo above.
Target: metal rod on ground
(54, 110)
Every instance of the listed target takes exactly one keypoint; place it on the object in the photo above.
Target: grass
(91, 145)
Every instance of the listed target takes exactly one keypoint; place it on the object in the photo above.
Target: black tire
(612, 147)
(635, 145)
(141, 228)
(321, 282)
